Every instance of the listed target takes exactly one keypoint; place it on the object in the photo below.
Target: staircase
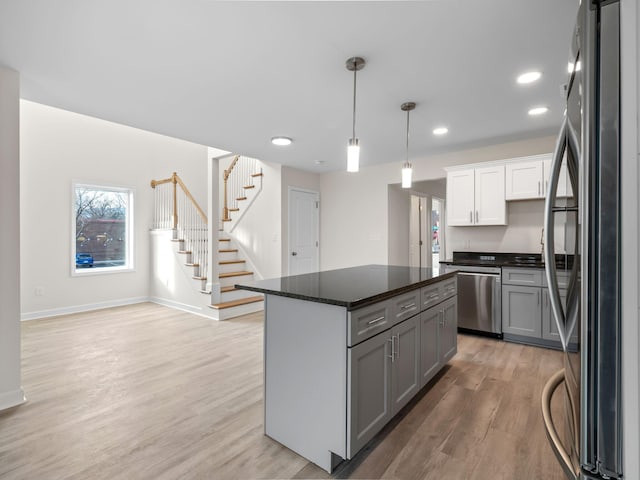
(176, 211)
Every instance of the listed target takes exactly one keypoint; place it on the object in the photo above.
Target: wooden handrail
(176, 180)
(227, 172)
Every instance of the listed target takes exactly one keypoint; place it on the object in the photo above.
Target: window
(102, 229)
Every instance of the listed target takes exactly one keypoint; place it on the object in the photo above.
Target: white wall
(58, 147)
(399, 204)
(354, 216)
(10, 389)
(292, 177)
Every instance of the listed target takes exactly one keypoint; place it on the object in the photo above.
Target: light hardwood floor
(147, 392)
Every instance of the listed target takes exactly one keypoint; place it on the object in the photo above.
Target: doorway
(304, 219)
(437, 231)
(418, 239)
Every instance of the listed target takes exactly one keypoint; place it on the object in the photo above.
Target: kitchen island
(345, 350)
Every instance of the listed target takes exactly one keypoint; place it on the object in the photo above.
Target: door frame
(290, 190)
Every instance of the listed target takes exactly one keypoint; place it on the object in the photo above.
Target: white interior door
(304, 218)
(419, 245)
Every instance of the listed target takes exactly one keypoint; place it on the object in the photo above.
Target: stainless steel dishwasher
(479, 299)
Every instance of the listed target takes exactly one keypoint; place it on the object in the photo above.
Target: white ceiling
(233, 74)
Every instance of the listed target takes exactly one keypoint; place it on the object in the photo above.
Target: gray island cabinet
(345, 350)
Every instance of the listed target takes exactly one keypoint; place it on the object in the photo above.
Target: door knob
(293, 254)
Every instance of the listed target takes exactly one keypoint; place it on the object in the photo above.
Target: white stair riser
(225, 282)
(232, 312)
(236, 295)
(232, 267)
(225, 256)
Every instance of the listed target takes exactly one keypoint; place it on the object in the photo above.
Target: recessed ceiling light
(538, 110)
(440, 130)
(529, 77)
(281, 141)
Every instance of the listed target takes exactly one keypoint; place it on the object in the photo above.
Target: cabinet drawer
(522, 276)
(448, 288)
(405, 305)
(368, 321)
(430, 295)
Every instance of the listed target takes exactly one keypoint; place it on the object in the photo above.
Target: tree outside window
(103, 226)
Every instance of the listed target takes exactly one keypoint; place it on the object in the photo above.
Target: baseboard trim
(54, 312)
(12, 399)
(185, 308)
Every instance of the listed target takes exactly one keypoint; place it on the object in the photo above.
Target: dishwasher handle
(496, 310)
(479, 274)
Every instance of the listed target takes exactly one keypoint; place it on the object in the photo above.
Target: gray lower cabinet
(521, 310)
(526, 309)
(370, 390)
(385, 375)
(549, 328)
(438, 337)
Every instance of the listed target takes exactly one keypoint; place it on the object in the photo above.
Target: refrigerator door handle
(560, 451)
(549, 252)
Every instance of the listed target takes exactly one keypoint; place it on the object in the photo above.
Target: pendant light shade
(407, 168)
(353, 148)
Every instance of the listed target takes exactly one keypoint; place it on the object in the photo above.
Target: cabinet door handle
(538, 298)
(410, 305)
(375, 320)
(470, 217)
(476, 216)
(538, 188)
(398, 349)
(392, 356)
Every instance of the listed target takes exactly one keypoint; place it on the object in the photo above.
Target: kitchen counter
(353, 287)
(520, 260)
(345, 350)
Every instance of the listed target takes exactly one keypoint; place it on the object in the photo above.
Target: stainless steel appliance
(588, 438)
(479, 299)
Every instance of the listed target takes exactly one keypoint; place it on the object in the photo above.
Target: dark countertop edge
(500, 264)
(357, 303)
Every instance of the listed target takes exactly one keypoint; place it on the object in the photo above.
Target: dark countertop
(352, 287)
(520, 260)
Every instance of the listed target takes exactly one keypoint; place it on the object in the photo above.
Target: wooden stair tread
(226, 219)
(256, 174)
(234, 209)
(230, 262)
(236, 303)
(228, 250)
(249, 186)
(229, 288)
(177, 239)
(241, 198)
(186, 252)
(195, 277)
(192, 264)
(234, 274)
(224, 239)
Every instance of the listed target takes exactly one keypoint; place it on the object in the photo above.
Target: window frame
(129, 265)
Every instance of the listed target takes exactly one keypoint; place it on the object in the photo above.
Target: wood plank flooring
(147, 392)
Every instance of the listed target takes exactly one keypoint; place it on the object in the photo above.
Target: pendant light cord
(407, 159)
(355, 70)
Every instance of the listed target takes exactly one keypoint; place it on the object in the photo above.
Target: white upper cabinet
(476, 196)
(529, 179)
(524, 180)
(460, 197)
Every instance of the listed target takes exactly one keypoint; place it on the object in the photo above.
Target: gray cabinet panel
(368, 321)
(449, 329)
(405, 375)
(549, 328)
(430, 295)
(522, 276)
(405, 306)
(429, 344)
(369, 406)
(563, 279)
(521, 310)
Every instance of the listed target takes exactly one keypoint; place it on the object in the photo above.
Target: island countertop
(352, 287)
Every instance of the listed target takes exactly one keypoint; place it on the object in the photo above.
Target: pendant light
(353, 148)
(406, 166)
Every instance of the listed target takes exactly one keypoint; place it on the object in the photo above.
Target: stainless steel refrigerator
(585, 227)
